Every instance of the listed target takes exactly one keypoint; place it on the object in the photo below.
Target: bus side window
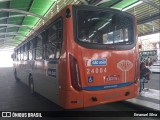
(54, 39)
(30, 55)
(25, 55)
(23, 51)
(19, 57)
(21, 48)
(14, 56)
(39, 53)
(59, 39)
(17, 54)
(59, 30)
(39, 47)
(33, 48)
(33, 54)
(50, 51)
(52, 34)
(31, 51)
(58, 50)
(28, 48)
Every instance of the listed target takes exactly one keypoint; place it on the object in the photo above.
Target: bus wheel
(31, 85)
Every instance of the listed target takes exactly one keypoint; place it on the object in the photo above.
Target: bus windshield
(105, 27)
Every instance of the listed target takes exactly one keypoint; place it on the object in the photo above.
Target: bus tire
(31, 85)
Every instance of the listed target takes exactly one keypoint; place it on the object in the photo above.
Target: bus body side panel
(64, 85)
(25, 70)
(21, 70)
(39, 77)
(69, 98)
(45, 84)
(50, 76)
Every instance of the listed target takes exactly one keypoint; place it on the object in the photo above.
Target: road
(15, 96)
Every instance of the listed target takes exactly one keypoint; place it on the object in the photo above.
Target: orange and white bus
(84, 56)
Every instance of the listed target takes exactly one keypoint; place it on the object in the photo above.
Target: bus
(84, 56)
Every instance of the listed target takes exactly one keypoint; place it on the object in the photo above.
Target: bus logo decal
(111, 78)
(97, 62)
(124, 66)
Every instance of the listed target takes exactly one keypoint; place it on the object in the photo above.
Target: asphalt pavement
(15, 96)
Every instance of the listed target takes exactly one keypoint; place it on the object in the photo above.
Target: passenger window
(31, 44)
(33, 54)
(55, 35)
(52, 36)
(25, 55)
(50, 51)
(55, 32)
(34, 42)
(39, 39)
(30, 55)
(59, 23)
(58, 50)
(39, 53)
(38, 45)
(14, 56)
(21, 53)
(19, 56)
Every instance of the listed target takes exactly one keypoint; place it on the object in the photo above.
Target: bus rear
(102, 57)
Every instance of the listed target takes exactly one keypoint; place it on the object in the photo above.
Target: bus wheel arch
(31, 84)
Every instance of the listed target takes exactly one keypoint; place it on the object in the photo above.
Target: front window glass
(104, 27)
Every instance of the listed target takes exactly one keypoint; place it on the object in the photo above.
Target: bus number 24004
(96, 70)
